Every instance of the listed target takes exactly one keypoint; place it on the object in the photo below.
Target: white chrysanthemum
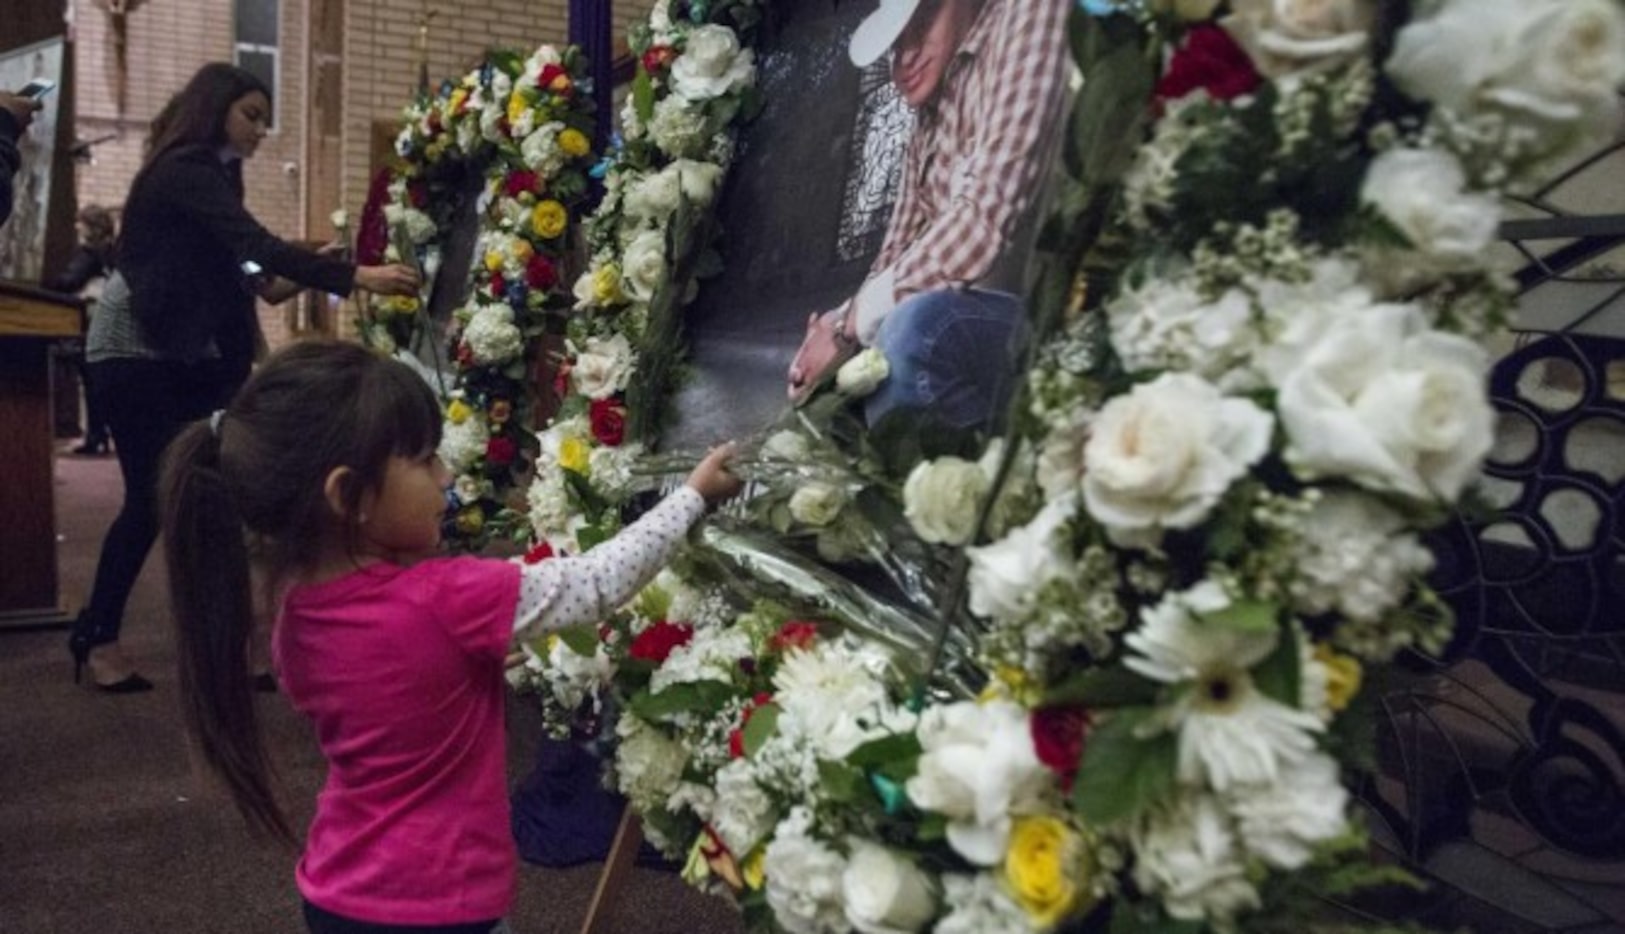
(977, 768)
(835, 693)
(712, 655)
(462, 445)
(743, 814)
(1282, 823)
(648, 766)
(978, 904)
(1186, 855)
(492, 337)
(804, 879)
(1230, 733)
(1356, 558)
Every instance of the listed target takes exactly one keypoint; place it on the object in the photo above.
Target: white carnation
(541, 151)
(743, 814)
(679, 127)
(644, 265)
(462, 445)
(804, 879)
(1166, 325)
(1354, 557)
(1007, 576)
(1283, 822)
(1187, 856)
(978, 904)
(648, 766)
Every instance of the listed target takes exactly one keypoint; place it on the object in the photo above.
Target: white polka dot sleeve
(568, 591)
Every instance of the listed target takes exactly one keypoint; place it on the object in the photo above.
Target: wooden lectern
(30, 319)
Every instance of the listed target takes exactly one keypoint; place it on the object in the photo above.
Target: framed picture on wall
(22, 238)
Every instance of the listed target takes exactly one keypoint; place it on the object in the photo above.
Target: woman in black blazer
(184, 248)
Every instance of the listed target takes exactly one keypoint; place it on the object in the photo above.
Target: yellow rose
(493, 260)
(458, 412)
(548, 219)
(574, 143)
(606, 285)
(574, 454)
(755, 868)
(522, 250)
(517, 105)
(1343, 676)
(470, 520)
(1044, 868)
(459, 97)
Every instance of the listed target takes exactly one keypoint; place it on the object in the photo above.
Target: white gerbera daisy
(1230, 733)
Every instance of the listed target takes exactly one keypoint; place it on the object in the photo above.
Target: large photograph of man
(943, 299)
(972, 91)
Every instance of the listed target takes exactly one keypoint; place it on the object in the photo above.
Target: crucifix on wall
(118, 15)
(423, 46)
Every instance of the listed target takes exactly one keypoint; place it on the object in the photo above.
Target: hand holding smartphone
(37, 89)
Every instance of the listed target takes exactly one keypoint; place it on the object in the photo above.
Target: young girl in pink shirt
(327, 456)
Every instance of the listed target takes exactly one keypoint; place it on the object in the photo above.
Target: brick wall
(167, 40)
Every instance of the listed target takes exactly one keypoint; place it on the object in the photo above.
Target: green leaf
(1279, 675)
(1104, 687)
(764, 722)
(681, 698)
(582, 639)
(591, 536)
(931, 828)
(1247, 616)
(885, 750)
(643, 95)
(1122, 774)
(1128, 919)
(840, 783)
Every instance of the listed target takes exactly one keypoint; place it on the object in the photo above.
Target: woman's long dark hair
(260, 469)
(196, 116)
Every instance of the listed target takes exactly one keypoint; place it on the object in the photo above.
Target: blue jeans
(952, 353)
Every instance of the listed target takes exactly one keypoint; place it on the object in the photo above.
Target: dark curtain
(592, 27)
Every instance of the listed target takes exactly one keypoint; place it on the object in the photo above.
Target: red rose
(550, 74)
(499, 285)
(796, 634)
(540, 553)
(658, 57)
(1209, 60)
(540, 273)
(608, 419)
(465, 355)
(521, 181)
(418, 194)
(1058, 735)
(500, 451)
(657, 642)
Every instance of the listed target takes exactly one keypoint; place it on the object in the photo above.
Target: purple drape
(592, 27)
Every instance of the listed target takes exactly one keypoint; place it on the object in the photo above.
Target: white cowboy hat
(875, 35)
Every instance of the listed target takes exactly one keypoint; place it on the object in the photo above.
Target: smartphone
(37, 88)
(251, 268)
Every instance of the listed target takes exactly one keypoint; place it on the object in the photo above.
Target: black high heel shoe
(80, 643)
(91, 447)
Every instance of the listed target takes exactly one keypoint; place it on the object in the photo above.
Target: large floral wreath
(515, 133)
(1196, 541)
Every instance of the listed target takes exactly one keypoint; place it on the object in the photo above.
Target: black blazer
(185, 237)
(9, 160)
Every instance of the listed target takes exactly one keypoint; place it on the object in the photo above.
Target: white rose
(1389, 404)
(977, 768)
(941, 498)
(711, 64)
(885, 893)
(1423, 193)
(1290, 38)
(1006, 576)
(603, 366)
(653, 196)
(644, 265)
(1162, 456)
(863, 373)
(816, 503)
(697, 180)
(787, 446)
(1552, 65)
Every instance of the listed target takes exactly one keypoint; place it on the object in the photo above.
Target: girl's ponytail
(212, 596)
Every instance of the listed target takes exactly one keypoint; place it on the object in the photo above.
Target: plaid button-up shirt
(977, 157)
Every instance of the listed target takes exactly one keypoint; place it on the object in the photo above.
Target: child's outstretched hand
(712, 479)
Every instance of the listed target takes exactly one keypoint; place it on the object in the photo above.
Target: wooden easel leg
(623, 854)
